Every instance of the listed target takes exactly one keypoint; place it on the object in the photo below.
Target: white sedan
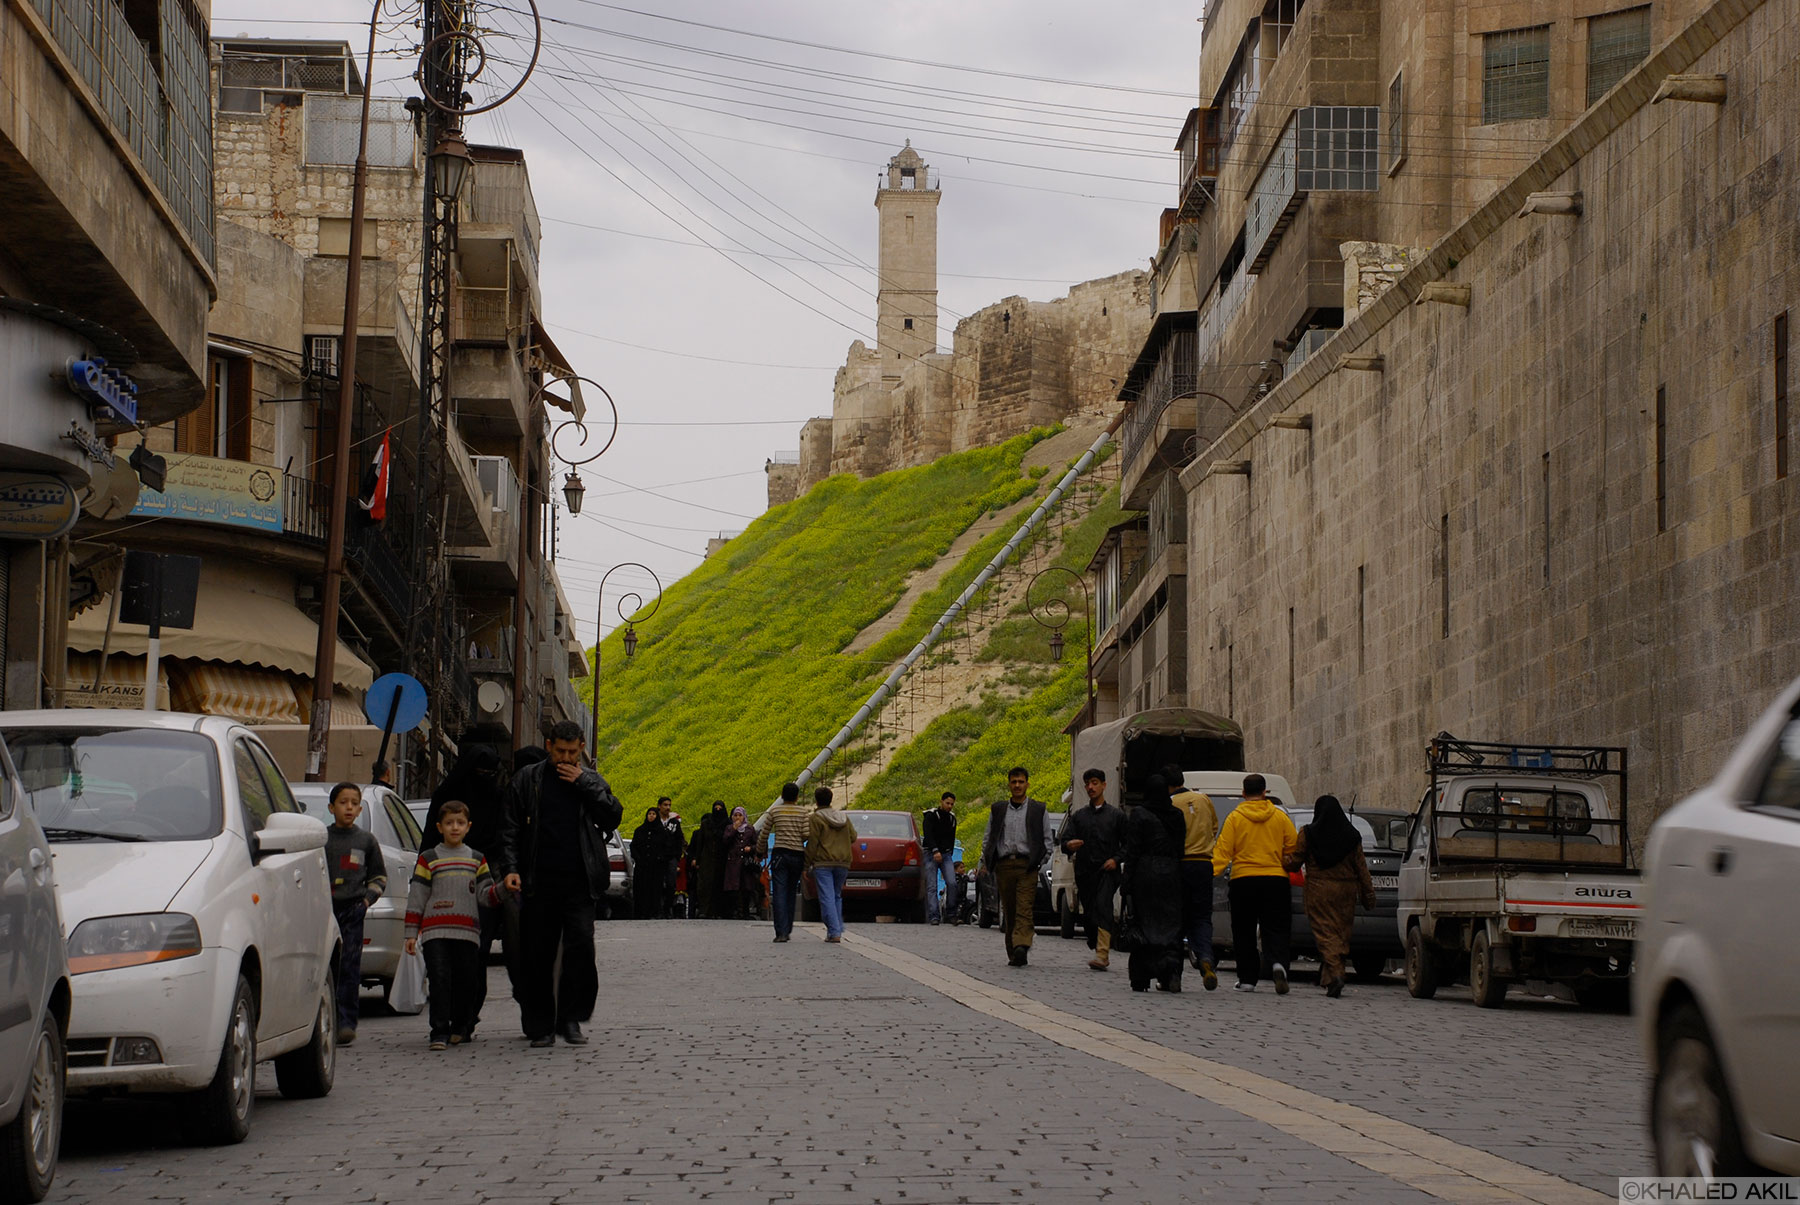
(200, 934)
(1716, 987)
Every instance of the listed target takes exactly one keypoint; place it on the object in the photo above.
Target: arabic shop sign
(36, 506)
(207, 489)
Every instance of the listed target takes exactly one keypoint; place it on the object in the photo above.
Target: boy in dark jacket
(358, 877)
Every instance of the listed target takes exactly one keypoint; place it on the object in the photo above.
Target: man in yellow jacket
(1256, 838)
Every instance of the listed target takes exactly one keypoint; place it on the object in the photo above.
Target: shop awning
(255, 696)
(243, 615)
(122, 685)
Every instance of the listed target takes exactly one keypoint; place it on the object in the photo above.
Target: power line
(892, 58)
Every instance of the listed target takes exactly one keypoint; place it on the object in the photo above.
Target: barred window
(1617, 42)
(1396, 121)
(1515, 75)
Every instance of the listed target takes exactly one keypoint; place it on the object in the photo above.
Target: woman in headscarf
(650, 853)
(707, 849)
(741, 864)
(1155, 836)
(1330, 850)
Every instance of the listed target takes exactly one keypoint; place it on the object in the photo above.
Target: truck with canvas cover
(1134, 747)
(1518, 869)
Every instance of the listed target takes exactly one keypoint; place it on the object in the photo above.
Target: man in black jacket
(554, 829)
(1013, 850)
(1094, 836)
(939, 839)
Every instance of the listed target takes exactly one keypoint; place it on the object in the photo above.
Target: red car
(885, 869)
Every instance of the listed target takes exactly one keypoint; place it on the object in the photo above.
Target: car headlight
(109, 942)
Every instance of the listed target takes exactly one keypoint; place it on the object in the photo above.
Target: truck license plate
(1625, 930)
(862, 882)
(1385, 882)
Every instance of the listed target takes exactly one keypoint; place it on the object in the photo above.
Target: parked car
(1716, 990)
(885, 868)
(390, 820)
(201, 940)
(1043, 908)
(1374, 938)
(34, 1000)
(618, 902)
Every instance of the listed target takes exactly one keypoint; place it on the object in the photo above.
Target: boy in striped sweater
(448, 881)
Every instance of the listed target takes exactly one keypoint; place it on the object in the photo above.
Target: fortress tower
(906, 310)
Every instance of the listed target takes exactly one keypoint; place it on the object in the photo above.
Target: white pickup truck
(1518, 869)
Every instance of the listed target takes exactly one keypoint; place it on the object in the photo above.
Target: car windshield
(1303, 817)
(129, 784)
(882, 824)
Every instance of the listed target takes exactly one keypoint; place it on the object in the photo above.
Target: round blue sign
(382, 696)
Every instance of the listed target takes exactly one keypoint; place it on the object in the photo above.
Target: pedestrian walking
(830, 844)
(450, 884)
(707, 886)
(1094, 837)
(1012, 851)
(677, 848)
(789, 822)
(649, 866)
(1155, 834)
(558, 817)
(1337, 875)
(358, 877)
(938, 836)
(1196, 873)
(475, 782)
(1255, 842)
(743, 868)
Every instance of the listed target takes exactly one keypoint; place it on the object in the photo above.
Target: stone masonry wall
(1491, 537)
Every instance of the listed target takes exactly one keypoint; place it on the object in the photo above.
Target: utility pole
(318, 734)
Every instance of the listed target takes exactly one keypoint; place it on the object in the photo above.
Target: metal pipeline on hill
(962, 600)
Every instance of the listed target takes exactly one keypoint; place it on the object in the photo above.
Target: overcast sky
(715, 360)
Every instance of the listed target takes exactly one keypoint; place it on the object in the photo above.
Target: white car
(200, 934)
(390, 819)
(1716, 988)
(34, 1000)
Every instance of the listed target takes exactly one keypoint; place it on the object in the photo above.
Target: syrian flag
(374, 490)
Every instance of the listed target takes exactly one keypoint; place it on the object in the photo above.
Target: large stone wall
(1555, 516)
(1015, 365)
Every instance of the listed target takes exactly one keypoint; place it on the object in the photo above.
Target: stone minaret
(906, 293)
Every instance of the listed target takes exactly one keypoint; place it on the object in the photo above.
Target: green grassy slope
(740, 677)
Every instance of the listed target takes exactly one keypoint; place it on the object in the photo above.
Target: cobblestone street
(912, 1065)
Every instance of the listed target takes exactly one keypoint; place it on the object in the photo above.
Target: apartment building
(468, 600)
(1333, 143)
(106, 273)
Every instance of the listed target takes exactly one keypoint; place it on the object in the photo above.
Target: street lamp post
(1055, 613)
(630, 618)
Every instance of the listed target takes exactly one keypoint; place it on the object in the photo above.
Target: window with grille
(1617, 42)
(1396, 121)
(1515, 75)
(322, 356)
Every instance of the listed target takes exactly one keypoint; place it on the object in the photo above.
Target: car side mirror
(289, 833)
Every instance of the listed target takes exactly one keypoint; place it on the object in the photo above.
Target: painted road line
(1404, 1153)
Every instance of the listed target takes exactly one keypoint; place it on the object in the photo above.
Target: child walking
(358, 879)
(448, 882)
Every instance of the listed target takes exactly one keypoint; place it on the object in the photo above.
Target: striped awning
(122, 685)
(255, 696)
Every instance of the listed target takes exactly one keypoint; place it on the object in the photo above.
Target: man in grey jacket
(1012, 852)
(554, 827)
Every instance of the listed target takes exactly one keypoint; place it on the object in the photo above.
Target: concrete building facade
(106, 261)
(250, 469)
(1539, 488)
